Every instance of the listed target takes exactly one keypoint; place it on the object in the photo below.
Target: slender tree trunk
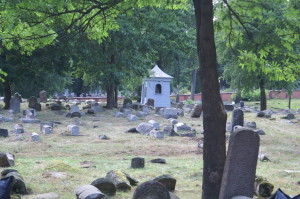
(263, 99)
(116, 97)
(214, 115)
(110, 99)
(7, 94)
(290, 99)
(193, 87)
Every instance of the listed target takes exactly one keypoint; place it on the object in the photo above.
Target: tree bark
(263, 99)
(214, 115)
(193, 87)
(290, 99)
(116, 97)
(7, 94)
(110, 89)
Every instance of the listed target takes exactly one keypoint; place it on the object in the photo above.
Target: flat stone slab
(42, 196)
(29, 120)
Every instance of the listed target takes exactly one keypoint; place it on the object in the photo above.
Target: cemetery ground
(85, 158)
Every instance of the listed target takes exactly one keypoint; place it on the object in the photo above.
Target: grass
(276, 104)
(57, 152)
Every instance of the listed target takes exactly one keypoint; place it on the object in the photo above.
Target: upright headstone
(73, 129)
(197, 111)
(74, 108)
(137, 162)
(18, 129)
(237, 118)
(35, 137)
(43, 96)
(29, 113)
(32, 101)
(240, 166)
(15, 103)
(3, 133)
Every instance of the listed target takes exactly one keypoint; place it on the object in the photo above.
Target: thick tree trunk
(193, 87)
(7, 94)
(110, 99)
(116, 97)
(263, 99)
(214, 116)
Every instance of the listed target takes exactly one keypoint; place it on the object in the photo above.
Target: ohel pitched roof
(157, 72)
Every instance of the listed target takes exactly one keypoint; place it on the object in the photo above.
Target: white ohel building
(157, 87)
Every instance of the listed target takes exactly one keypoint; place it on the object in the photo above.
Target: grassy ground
(57, 152)
(278, 104)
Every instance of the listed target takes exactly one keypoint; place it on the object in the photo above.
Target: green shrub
(249, 96)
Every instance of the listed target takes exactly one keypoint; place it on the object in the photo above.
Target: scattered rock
(132, 118)
(181, 127)
(75, 114)
(229, 107)
(290, 116)
(155, 124)
(197, 111)
(18, 129)
(6, 160)
(260, 114)
(19, 186)
(73, 129)
(131, 130)
(263, 188)
(260, 132)
(103, 137)
(173, 121)
(250, 125)
(35, 137)
(262, 157)
(158, 160)
(30, 120)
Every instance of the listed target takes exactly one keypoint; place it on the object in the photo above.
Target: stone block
(73, 129)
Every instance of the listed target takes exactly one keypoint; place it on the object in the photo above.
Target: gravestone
(46, 123)
(74, 108)
(75, 114)
(15, 103)
(167, 180)
(240, 166)
(105, 185)
(169, 113)
(97, 108)
(33, 103)
(144, 128)
(237, 118)
(6, 119)
(73, 129)
(150, 102)
(35, 137)
(154, 123)
(242, 104)
(197, 111)
(137, 162)
(43, 96)
(18, 129)
(29, 113)
(156, 134)
(88, 192)
(3, 133)
(181, 127)
(132, 118)
(151, 189)
(127, 103)
(47, 129)
(19, 186)
(229, 107)
(7, 160)
(30, 120)
(119, 179)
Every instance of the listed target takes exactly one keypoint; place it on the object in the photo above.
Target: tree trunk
(194, 78)
(263, 99)
(110, 99)
(214, 115)
(116, 97)
(290, 99)
(7, 94)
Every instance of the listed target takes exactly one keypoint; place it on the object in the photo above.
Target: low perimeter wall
(226, 96)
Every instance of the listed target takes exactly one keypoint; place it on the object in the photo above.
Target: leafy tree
(263, 35)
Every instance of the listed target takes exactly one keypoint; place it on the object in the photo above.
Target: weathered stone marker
(105, 185)
(15, 103)
(151, 189)
(3, 133)
(237, 118)
(197, 111)
(88, 191)
(239, 171)
(137, 162)
(43, 96)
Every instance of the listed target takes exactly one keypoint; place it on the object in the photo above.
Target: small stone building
(157, 87)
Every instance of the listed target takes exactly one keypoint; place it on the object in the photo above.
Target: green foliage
(2, 73)
(258, 40)
(253, 95)
(184, 91)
